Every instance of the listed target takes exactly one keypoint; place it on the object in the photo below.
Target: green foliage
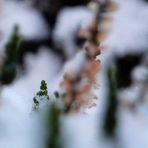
(51, 120)
(41, 95)
(43, 88)
(53, 124)
(9, 68)
(56, 94)
(110, 118)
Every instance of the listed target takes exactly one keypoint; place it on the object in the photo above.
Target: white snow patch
(129, 33)
(29, 20)
(69, 21)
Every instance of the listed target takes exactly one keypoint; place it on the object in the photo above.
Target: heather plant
(76, 86)
(76, 99)
(54, 127)
(41, 97)
(9, 67)
(52, 116)
(110, 121)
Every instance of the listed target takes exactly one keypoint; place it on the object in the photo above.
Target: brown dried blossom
(78, 87)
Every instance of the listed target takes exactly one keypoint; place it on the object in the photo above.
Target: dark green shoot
(41, 95)
(110, 118)
(53, 140)
(9, 68)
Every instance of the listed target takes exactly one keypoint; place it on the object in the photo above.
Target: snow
(79, 134)
(39, 67)
(17, 100)
(129, 34)
(69, 21)
(129, 31)
(133, 130)
(30, 21)
(14, 127)
(74, 65)
(140, 73)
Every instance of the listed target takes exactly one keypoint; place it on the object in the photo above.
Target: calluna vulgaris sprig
(54, 126)
(110, 122)
(41, 95)
(77, 99)
(9, 68)
(53, 114)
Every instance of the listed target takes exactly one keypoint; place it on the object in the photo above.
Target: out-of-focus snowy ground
(17, 128)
